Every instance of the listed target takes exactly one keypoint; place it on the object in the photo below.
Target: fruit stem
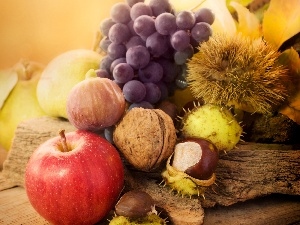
(90, 74)
(63, 141)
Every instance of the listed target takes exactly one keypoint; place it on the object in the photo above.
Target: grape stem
(198, 5)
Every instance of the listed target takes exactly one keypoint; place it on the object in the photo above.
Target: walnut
(146, 138)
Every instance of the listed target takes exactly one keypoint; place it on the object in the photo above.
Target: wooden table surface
(15, 209)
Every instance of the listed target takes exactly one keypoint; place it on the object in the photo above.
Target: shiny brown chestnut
(135, 204)
(196, 157)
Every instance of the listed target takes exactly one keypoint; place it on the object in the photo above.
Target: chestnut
(196, 157)
(135, 204)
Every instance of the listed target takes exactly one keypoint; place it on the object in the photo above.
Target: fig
(95, 103)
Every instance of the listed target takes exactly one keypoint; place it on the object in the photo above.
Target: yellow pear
(60, 75)
(21, 103)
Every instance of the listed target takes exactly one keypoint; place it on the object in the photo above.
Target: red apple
(75, 178)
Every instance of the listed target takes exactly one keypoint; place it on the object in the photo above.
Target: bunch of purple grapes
(147, 46)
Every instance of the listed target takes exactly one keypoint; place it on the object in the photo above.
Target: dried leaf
(248, 23)
(281, 21)
(291, 59)
(292, 113)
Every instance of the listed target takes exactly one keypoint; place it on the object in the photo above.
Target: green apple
(21, 103)
(60, 75)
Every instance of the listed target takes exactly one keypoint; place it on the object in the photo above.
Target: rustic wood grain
(248, 172)
(270, 210)
(254, 170)
(29, 135)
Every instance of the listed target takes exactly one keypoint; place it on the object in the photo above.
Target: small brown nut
(196, 157)
(135, 204)
(146, 138)
(169, 108)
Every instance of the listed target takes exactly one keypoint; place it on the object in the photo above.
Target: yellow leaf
(290, 58)
(292, 113)
(242, 2)
(248, 23)
(281, 21)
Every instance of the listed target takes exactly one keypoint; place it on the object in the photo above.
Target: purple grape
(115, 51)
(140, 9)
(153, 93)
(163, 90)
(134, 91)
(180, 40)
(201, 32)
(153, 72)
(157, 44)
(119, 33)
(104, 43)
(130, 27)
(106, 63)
(205, 15)
(144, 25)
(105, 25)
(120, 13)
(170, 70)
(123, 73)
(103, 73)
(135, 41)
(185, 20)
(138, 56)
(121, 85)
(116, 62)
(181, 57)
(160, 6)
(132, 2)
(142, 104)
(169, 54)
(165, 23)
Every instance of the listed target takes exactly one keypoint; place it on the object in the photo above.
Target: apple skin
(80, 186)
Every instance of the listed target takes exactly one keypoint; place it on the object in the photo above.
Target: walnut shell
(146, 138)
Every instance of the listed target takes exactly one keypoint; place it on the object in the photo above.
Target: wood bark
(247, 172)
(254, 170)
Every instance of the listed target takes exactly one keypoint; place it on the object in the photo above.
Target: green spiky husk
(239, 71)
(214, 123)
(184, 184)
(151, 219)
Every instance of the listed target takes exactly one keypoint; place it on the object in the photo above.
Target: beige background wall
(41, 29)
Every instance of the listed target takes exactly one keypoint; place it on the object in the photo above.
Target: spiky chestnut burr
(190, 170)
(214, 123)
(238, 71)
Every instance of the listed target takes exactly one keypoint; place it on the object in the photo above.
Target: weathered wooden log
(30, 134)
(254, 170)
(250, 171)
